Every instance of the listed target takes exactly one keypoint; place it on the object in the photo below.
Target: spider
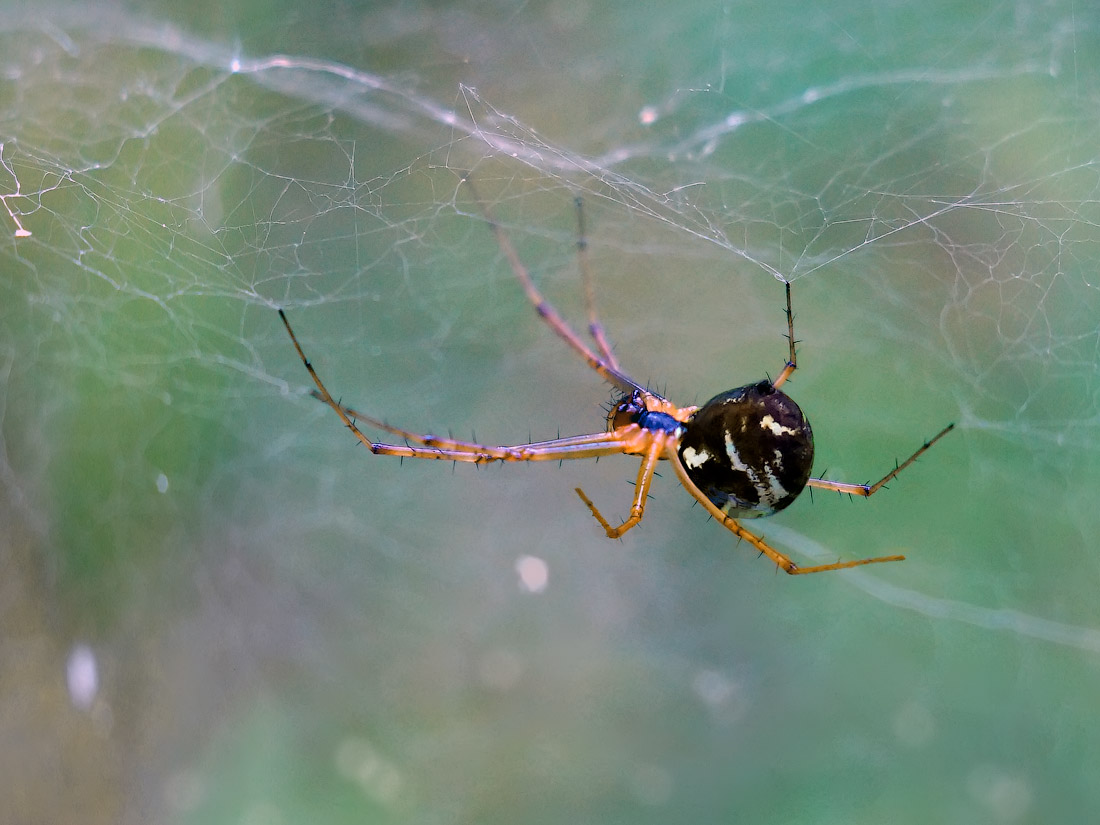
(743, 454)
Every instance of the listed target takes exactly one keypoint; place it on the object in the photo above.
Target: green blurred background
(216, 608)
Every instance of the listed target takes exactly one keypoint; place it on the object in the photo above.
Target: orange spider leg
(546, 311)
(595, 328)
(735, 527)
(448, 443)
(656, 445)
(582, 446)
(870, 489)
(479, 454)
(792, 362)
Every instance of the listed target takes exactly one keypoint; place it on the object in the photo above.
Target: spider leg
(480, 454)
(735, 527)
(546, 311)
(448, 443)
(595, 328)
(792, 362)
(641, 489)
(624, 439)
(866, 490)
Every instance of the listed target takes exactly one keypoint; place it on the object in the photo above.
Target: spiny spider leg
(622, 440)
(792, 362)
(658, 444)
(870, 489)
(735, 527)
(448, 443)
(545, 310)
(595, 328)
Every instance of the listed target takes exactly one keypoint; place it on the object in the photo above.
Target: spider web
(188, 531)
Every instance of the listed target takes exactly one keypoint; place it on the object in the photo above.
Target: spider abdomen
(749, 450)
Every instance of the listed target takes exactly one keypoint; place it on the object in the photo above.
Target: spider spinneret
(745, 453)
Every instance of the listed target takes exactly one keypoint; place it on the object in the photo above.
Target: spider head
(627, 410)
(749, 450)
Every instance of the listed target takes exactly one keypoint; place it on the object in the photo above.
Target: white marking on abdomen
(695, 459)
(769, 423)
(773, 491)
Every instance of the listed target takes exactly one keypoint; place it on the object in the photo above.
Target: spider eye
(627, 411)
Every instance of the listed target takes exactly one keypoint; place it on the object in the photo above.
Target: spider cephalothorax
(749, 450)
(745, 453)
(650, 412)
